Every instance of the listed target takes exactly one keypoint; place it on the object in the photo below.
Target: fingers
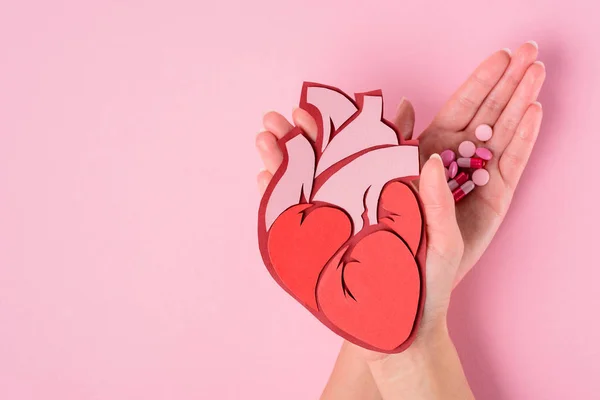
(496, 101)
(526, 93)
(306, 122)
(405, 119)
(515, 157)
(277, 124)
(262, 180)
(456, 114)
(443, 235)
(270, 154)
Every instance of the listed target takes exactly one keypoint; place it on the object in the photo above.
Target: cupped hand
(501, 92)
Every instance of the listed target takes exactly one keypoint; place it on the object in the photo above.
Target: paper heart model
(340, 227)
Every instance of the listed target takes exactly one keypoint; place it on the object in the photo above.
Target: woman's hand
(501, 92)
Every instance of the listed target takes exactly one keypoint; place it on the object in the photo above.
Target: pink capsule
(466, 149)
(447, 157)
(484, 153)
(475, 163)
(463, 190)
(453, 169)
(459, 180)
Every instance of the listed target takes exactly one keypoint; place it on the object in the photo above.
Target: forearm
(351, 377)
(429, 369)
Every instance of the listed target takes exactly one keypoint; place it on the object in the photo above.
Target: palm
(478, 214)
(505, 102)
(501, 92)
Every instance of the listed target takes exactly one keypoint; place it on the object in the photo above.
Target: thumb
(444, 240)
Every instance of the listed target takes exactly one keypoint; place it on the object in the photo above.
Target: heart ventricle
(301, 241)
(366, 287)
(371, 290)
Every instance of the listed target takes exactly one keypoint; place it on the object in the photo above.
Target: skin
(501, 92)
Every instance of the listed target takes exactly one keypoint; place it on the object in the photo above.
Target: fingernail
(435, 155)
(506, 49)
(537, 103)
(534, 44)
(540, 63)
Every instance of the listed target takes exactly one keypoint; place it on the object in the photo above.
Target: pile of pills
(468, 170)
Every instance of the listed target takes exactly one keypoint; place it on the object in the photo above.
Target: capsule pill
(475, 163)
(463, 190)
(459, 180)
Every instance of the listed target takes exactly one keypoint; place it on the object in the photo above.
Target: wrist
(428, 369)
(422, 351)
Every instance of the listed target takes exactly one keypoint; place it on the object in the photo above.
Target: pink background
(129, 266)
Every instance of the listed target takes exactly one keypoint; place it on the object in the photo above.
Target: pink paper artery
(356, 154)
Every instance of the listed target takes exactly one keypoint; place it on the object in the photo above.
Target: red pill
(459, 180)
(475, 163)
(463, 190)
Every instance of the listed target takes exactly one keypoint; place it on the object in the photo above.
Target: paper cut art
(340, 226)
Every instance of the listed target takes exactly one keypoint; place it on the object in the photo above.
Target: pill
(484, 153)
(463, 190)
(466, 149)
(483, 132)
(481, 177)
(453, 169)
(447, 157)
(447, 173)
(459, 180)
(470, 163)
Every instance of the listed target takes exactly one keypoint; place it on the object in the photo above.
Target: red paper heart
(367, 287)
(340, 225)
